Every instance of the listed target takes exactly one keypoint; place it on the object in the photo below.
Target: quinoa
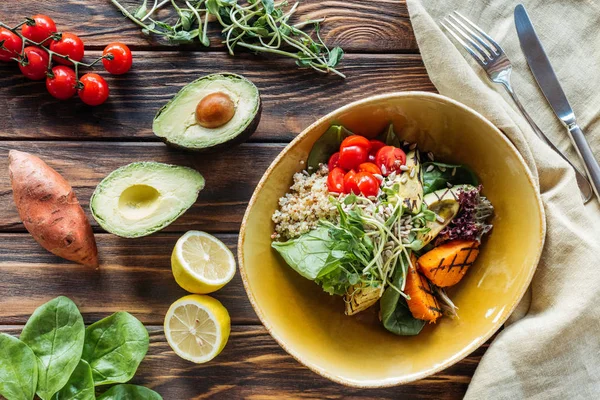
(304, 205)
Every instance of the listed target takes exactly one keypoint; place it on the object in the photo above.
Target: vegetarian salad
(379, 221)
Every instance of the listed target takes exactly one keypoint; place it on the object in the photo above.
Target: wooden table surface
(84, 144)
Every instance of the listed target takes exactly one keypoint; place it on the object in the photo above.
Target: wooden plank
(134, 275)
(356, 25)
(292, 98)
(231, 177)
(252, 365)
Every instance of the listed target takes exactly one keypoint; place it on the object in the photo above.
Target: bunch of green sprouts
(259, 26)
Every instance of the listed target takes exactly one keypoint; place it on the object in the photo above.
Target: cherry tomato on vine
(40, 29)
(333, 161)
(369, 167)
(367, 184)
(121, 58)
(12, 45)
(94, 91)
(356, 140)
(62, 83)
(352, 156)
(390, 158)
(335, 180)
(350, 185)
(35, 63)
(68, 45)
(375, 146)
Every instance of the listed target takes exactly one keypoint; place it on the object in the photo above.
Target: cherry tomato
(40, 29)
(375, 146)
(350, 185)
(35, 63)
(68, 45)
(369, 167)
(95, 89)
(333, 161)
(356, 140)
(62, 84)
(335, 180)
(390, 158)
(12, 45)
(352, 156)
(367, 184)
(121, 58)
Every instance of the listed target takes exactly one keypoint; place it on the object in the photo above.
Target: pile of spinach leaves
(442, 174)
(57, 357)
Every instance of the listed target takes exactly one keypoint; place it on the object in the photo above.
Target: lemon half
(201, 263)
(197, 328)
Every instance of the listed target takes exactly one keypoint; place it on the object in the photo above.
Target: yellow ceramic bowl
(357, 351)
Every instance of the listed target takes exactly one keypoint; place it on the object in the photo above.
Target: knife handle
(585, 153)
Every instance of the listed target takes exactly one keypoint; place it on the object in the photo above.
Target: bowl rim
(474, 345)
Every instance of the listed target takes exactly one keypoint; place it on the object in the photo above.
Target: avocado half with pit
(144, 197)
(212, 112)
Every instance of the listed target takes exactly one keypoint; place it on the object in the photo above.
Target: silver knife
(546, 78)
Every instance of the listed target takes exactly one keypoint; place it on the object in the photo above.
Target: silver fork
(496, 64)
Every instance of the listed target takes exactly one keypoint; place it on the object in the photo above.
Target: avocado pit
(215, 110)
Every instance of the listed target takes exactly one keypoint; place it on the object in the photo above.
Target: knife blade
(547, 81)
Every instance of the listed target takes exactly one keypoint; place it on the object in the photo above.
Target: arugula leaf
(18, 369)
(442, 174)
(130, 392)
(80, 385)
(114, 348)
(55, 332)
(325, 146)
(389, 137)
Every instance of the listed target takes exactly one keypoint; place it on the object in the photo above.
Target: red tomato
(11, 44)
(356, 140)
(369, 167)
(352, 156)
(40, 29)
(121, 58)
(367, 184)
(95, 89)
(62, 84)
(390, 158)
(335, 180)
(35, 63)
(68, 45)
(350, 185)
(333, 161)
(375, 146)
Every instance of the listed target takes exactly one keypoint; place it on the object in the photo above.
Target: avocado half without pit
(144, 197)
(210, 113)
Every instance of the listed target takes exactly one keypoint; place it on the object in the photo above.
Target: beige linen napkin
(550, 347)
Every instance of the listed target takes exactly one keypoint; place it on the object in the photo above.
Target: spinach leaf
(389, 137)
(325, 146)
(80, 385)
(269, 6)
(130, 392)
(55, 332)
(441, 174)
(18, 369)
(114, 348)
(395, 315)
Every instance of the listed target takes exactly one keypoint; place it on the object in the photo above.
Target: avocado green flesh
(412, 190)
(176, 121)
(141, 198)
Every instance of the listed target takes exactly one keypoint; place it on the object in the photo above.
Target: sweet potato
(422, 303)
(49, 209)
(446, 264)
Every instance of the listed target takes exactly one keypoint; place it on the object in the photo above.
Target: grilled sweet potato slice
(422, 304)
(446, 264)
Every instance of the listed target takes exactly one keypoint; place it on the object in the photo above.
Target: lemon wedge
(201, 263)
(197, 328)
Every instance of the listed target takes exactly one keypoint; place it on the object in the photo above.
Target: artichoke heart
(359, 297)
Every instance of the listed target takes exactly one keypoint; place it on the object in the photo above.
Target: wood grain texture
(230, 177)
(253, 366)
(356, 25)
(292, 98)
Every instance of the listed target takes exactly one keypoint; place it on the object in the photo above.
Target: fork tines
(478, 43)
